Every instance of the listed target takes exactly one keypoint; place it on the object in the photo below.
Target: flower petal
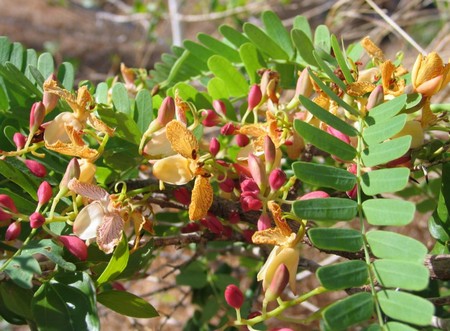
(109, 232)
(88, 190)
(174, 169)
(202, 198)
(182, 140)
(88, 220)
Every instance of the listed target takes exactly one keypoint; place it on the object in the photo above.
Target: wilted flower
(181, 168)
(102, 219)
(286, 250)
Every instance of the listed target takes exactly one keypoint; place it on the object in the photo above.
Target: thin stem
(17, 253)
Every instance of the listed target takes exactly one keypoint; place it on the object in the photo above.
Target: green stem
(17, 253)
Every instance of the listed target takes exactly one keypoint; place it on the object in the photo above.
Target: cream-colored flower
(286, 250)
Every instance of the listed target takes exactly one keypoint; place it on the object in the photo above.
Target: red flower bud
(37, 115)
(8, 207)
(277, 179)
(254, 96)
(257, 170)
(190, 227)
(250, 201)
(233, 217)
(13, 231)
(36, 220)
(213, 224)
(75, 246)
(72, 171)
(36, 168)
(248, 234)
(182, 195)
(227, 232)
(211, 119)
(118, 286)
(220, 107)
(242, 140)
(228, 129)
(234, 296)
(166, 111)
(20, 140)
(315, 195)
(338, 134)
(264, 222)
(249, 185)
(278, 284)
(214, 146)
(227, 185)
(44, 193)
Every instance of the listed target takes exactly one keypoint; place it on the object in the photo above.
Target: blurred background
(97, 35)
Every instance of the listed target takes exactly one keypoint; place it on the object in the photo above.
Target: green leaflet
(390, 150)
(116, 264)
(26, 182)
(327, 209)
(275, 29)
(342, 62)
(384, 180)
(217, 89)
(144, 110)
(219, 47)
(325, 141)
(17, 299)
(329, 71)
(385, 111)
(125, 127)
(301, 23)
(51, 250)
(236, 83)
(21, 270)
(439, 222)
(349, 311)
(16, 56)
(66, 75)
(401, 274)
(127, 304)
(380, 132)
(346, 240)
(343, 275)
(322, 38)
(46, 65)
(406, 307)
(253, 61)
(322, 175)
(101, 93)
(328, 118)
(233, 36)
(385, 212)
(304, 47)
(396, 326)
(121, 102)
(390, 245)
(194, 274)
(264, 43)
(68, 299)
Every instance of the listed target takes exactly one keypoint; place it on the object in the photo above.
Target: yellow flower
(286, 250)
(430, 74)
(64, 133)
(181, 168)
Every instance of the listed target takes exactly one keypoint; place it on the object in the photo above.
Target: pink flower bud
(36, 168)
(250, 201)
(281, 329)
(182, 195)
(213, 224)
(214, 146)
(304, 86)
(353, 193)
(211, 119)
(257, 170)
(20, 140)
(72, 171)
(248, 234)
(338, 134)
(314, 195)
(190, 227)
(254, 96)
(264, 222)
(7, 207)
(228, 129)
(37, 115)
(50, 100)
(75, 246)
(352, 168)
(376, 97)
(36, 220)
(234, 296)
(278, 284)
(242, 140)
(13, 231)
(233, 217)
(241, 170)
(227, 185)
(44, 193)
(277, 179)
(166, 111)
(249, 185)
(269, 151)
(220, 107)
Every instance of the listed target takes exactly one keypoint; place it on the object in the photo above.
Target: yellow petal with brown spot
(202, 198)
(182, 140)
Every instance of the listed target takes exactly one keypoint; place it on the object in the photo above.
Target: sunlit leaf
(343, 65)
(233, 36)
(401, 274)
(222, 68)
(343, 275)
(46, 64)
(384, 212)
(276, 30)
(322, 38)
(397, 326)
(385, 111)
(304, 47)
(48, 248)
(144, 111)
(406, 307)
(253, 61)
(329, 72)
(116, 264)
(391, 245)
(322, 175)
(16, 56)
(390, 150)
(384, 180)
(380, 132)
(66, 75)
(119, 96)
(219, 47)
(264, 43)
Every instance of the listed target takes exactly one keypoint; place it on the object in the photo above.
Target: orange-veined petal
(182, 140)
(202, 198)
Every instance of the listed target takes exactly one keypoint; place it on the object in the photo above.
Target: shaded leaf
(324, 175)
(121, 102)
(328, 209)
(51, 250)
(17, 299)
(124, 126)
(304, 47)
(21, 270)
(346, 240)
(127, 304)
(343, 65)
(396, 326)
(343, 275)
(194, 275)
